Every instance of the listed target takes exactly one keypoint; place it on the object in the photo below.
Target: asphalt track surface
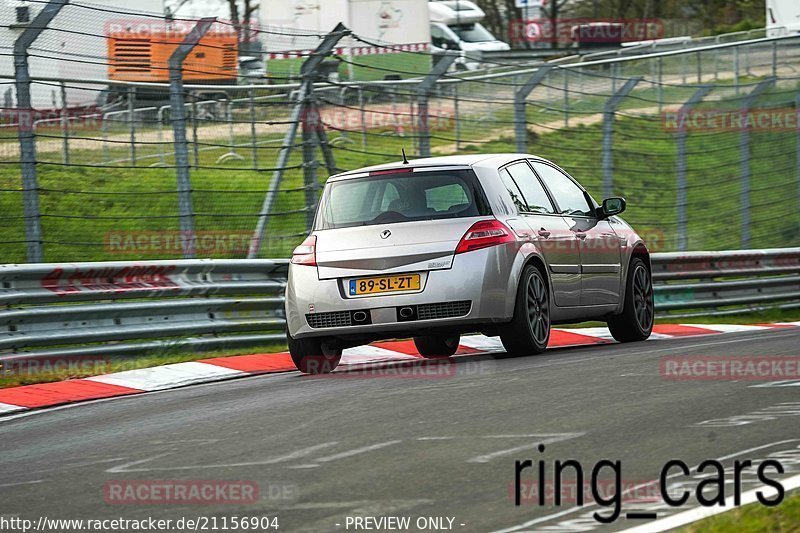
(442, 445)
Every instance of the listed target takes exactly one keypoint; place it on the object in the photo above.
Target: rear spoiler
(399, 169)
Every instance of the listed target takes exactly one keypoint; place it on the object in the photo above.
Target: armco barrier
(689, 284)
(122, 308)
(132, 307)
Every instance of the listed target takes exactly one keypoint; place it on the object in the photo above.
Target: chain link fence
(113, 150)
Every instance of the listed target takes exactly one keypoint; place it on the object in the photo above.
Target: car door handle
(544, 233)
(580, 235)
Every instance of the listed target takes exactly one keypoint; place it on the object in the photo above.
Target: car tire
(635, 323)
(437, 345)
(529, 331)
(314, 355)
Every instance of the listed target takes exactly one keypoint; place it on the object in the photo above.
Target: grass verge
(754, 518)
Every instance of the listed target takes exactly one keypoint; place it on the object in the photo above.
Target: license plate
(381, 284)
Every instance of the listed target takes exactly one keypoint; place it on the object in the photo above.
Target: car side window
(513, 190)
(568, 196)
(535, 196)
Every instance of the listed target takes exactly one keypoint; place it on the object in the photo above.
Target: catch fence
(204, 162)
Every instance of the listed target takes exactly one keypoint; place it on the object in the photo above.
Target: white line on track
(699, 513)
(784, 383)
(298, 454)
(35, 482)
(357, 451)
(541, 439)
(526, 436)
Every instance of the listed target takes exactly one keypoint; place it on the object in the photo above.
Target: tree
(554, 7)
(241, 14)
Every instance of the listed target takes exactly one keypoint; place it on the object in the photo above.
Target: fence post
(520, 113)
(104, 131)
(747, 61)
(774, 59)
(27, 137)
(253, 139)
(131, 94)
(614, 76)
(162, 156)
(311, 121)
(699, 68)
(565, 73)
(660, 87)
(683, 66)
(681, 200)
(456, 119)
(308, 73)
(195, 145)
(361, 104)
(178, 116)
(64, 124)
(716, 64)
(231, 153)
(423, 92)
(608, 133)
(744, 155)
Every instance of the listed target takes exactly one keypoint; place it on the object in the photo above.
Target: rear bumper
(483, 278)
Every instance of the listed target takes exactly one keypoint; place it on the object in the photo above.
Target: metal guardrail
(124, 308)
(58, 309)
(690, 284)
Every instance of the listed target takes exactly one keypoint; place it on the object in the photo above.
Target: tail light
(306, 253)
(484, 234)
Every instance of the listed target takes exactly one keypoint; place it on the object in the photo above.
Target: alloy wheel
(643, 298)
(538, 309)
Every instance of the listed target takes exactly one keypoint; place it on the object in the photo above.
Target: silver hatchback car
(504, 244)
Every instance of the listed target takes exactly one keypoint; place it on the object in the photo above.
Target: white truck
(783, 17)
(456, 26)
(393, 33)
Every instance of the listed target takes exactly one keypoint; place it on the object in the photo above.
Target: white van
(783, 17)
(456, 25)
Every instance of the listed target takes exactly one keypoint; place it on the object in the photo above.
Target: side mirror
(613, 206)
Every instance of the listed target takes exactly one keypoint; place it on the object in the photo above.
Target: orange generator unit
(134, 56)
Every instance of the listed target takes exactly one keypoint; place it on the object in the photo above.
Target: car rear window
(403, 197)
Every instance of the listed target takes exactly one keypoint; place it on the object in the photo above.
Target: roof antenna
(405, 159)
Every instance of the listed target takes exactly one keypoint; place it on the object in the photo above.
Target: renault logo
(385, 234)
